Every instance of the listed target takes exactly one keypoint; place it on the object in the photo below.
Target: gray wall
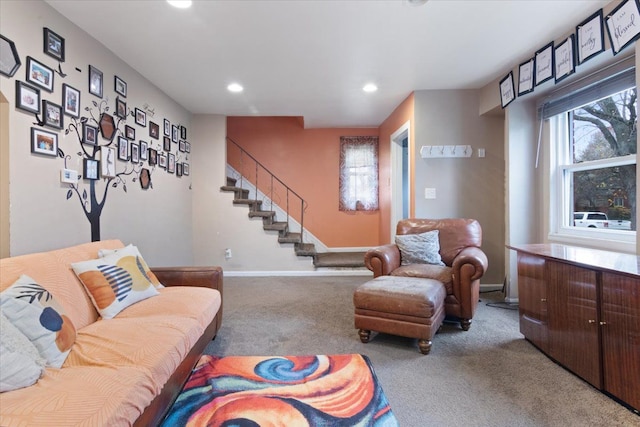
(465, 187)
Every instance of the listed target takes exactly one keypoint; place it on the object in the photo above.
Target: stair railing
(245, 157)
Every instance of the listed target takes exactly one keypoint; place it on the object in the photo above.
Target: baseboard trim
(297, 273)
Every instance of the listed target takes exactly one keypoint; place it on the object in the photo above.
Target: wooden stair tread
(339, 259)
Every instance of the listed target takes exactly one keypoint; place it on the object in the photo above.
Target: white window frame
(561, 195)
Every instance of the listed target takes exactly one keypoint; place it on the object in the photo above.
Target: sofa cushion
(134, 251)
(36, 313)
(420, 248)
(114, 282)
(20, 362)
(428, 271)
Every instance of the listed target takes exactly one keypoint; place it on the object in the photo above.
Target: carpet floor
(487, 376)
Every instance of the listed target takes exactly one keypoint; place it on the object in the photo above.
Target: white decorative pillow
(133, 250)
(421, 248)
(114, 282)
(37, 315)
(20, 362)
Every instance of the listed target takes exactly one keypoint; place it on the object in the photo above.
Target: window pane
(608, 190)
(605, 128)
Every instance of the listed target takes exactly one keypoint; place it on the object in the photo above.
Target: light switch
(429, 193)
(481, 152)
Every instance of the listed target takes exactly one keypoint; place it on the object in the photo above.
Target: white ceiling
(311, 58)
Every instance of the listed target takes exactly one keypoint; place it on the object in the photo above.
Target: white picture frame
(525, 76)
(507, 91)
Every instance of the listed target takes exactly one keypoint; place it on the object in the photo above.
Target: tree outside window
(358, 173)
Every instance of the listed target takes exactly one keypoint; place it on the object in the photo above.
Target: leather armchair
(460, 241)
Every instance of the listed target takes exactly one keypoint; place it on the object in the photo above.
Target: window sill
(612, 240)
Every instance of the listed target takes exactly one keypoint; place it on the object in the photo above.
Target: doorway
(400, 168)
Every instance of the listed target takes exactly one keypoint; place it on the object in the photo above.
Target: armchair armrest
(382, 260)
(474, 257)
(468, 267)
(208, 277)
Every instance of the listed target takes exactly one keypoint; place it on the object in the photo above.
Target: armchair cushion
(423, 248)
(442, 274)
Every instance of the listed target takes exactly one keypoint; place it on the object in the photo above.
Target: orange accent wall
(403, 113)
(308, 161)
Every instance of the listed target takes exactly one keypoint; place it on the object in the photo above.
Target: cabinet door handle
(543, 300)
(592, 321)
(603, 323)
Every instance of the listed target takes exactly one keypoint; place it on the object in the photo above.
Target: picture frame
(130, 132)
(166, 146)
(564, 59)
(590, 37)
(89, 134)
(141, 117)
(39, 74)
(174, 133)
(144, 150)
(135, 153)
(183, 132)
(162, 160)
(70, 100)
(171, 163)
(120, 86)
(52, 115)
(623, 17)
(44, 142)
(107, 126)
(121, 108)
(145, 178)
(91, 169)
(154, 130)
(182, 146)
(507, 91)
(153, 157)
(68, 176)
(178, 169)
(9, 58)
(27, 97)
(185, 169)
(525, 77)
(123, 148)
(108, 162)
(167, 128)
(544, 64)
(96, 82)
(187, 146)
(53, 44)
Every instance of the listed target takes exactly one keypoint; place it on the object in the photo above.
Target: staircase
(285, 236)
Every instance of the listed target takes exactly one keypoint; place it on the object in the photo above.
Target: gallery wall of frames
(558, 61)
(110, 132)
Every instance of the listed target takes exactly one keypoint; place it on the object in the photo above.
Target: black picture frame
(135, 152)
(166, 146)
(44, 142)
(145, 178)
(89, 134)
(182, 146)
(129, 132)
(171, 163)
(162, 160)
(121, 108)
(144, 150)
(525, 76)
(107, 126)
(185, 169)
(564, 59)
(545, 66)
(10, 62)
(154, 130)
(153, 157)
(187, 146)
(96, 81)
(39, 74)
(623, 16)
(167, 128)
(91, 169)
(52, 114)
(27, 97)
(174, 133)
(590, 37)
(141, 117)
(53, 44)
(183, 132)
(178, 169)
(120, 86)
(70, 100)
(123, 148)
(507, 90)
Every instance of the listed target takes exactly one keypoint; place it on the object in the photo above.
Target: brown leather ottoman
(405, 306)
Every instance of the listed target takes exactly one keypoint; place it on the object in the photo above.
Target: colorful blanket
(336, 390)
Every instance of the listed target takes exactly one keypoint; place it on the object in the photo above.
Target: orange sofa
(122, 371)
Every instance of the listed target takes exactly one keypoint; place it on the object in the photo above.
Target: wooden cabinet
(582, 308)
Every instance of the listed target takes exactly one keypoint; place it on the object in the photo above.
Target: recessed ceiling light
(370, 87)
(416, 2)
(180, 4)
(235, 87)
